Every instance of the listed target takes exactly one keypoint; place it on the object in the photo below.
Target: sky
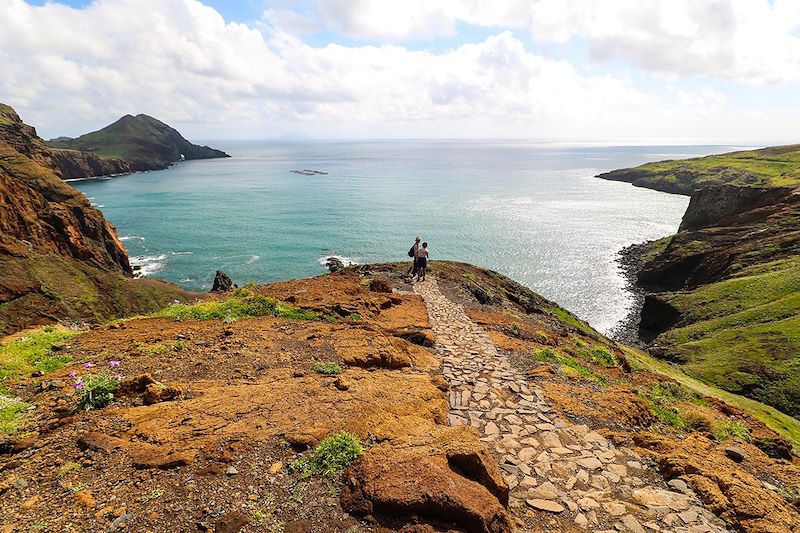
(583, 71)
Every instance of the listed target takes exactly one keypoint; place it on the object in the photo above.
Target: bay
(532, 211)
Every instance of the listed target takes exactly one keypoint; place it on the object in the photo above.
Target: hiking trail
(555, 470)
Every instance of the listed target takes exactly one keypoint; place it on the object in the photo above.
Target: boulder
(334, 264)
(380, 285)
(422, 486)
(451, 477)
(222, 282)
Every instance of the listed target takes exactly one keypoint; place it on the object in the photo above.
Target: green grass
(730, 429)
(242, 304)
(770, 167)
(331, 457)
(664, 399)
(743, 333)
(655, 249)
(11, 412)
(567, 362)
(783, 424)
(33, 352)
(328, 368)
(569, 319)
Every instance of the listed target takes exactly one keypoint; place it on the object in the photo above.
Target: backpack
(411, 252)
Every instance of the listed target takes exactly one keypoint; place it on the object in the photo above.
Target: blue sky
(566, 70)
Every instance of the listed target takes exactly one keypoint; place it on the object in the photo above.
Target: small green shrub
(546, 355)
(515, 328)
(331, 457)
(328, 368)
(730, 429)
(95, 389)
(354, 316)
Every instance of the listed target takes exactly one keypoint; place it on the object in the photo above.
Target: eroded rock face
(452, 479)
(727, 490)
(57, 252)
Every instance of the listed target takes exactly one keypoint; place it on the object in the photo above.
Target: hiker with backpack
(413, 253)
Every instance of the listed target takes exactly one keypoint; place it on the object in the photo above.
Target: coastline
(630, 260)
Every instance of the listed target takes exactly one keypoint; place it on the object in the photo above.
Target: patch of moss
(11, 411)
(33, 352)
(329, 368)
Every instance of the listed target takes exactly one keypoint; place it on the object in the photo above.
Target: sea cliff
(60, 259)
(724, 292)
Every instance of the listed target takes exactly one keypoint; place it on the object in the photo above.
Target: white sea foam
(148, 264)
(181, 253)
(253, 259)
(346, 261)
(131, 238)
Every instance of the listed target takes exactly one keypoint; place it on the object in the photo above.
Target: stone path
(551, 465)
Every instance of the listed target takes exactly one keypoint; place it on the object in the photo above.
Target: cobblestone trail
(551, 465)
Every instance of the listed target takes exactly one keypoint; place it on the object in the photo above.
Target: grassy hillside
(727, 306)
(771, 167)
(145, 141)
(743, 333)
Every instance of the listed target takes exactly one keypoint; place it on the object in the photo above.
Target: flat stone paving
(551, 465)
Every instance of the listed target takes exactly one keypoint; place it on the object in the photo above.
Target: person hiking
(422, 261)
(413, 253)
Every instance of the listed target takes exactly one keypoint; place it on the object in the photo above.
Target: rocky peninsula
(137, 143)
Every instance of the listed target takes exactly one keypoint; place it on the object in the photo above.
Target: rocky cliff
(59, 257)
(67, 164)
(141, 142)
(724, 292)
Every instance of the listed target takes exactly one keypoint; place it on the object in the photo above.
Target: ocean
(532, 211)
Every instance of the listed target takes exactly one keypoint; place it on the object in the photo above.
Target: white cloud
(753, 41)
(69, 71)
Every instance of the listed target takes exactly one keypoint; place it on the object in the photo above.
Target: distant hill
(777, 166)
(147, 143)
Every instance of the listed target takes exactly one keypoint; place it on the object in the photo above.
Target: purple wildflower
(88, 364)
(113, 364)
(118, 377)
(78, 385)
(72, 374)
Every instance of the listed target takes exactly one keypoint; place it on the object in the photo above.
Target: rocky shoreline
(631, 260)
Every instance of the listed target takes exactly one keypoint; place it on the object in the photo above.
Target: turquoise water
(534, 212)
